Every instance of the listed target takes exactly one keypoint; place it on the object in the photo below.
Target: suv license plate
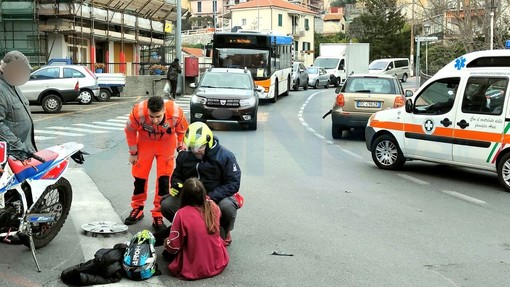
(365, 104)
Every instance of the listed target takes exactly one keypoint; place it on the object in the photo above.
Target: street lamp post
(492, 25)
(420, 39)
(426, 29)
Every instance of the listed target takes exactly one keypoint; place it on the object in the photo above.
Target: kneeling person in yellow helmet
(215, 166)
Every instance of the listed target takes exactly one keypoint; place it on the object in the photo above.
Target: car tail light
(340, 100)
(77, 86)
(399, 102)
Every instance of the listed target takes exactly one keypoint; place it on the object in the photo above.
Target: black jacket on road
(217, 170)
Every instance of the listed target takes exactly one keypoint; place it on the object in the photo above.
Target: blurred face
(199, 151)
(156, 117)
(16, 73)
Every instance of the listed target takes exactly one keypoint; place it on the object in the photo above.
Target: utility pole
(411, 56)
(178, 45)
(492, 25)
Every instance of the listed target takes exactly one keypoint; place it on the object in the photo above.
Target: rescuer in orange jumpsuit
(155, 129)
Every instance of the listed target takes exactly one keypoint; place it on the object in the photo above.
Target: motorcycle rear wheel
(55, 198)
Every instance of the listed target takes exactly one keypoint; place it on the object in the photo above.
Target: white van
(460, 116)
(395, 66)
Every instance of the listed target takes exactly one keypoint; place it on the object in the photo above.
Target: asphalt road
(346, 222)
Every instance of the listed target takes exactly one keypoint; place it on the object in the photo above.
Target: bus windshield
(254, 60)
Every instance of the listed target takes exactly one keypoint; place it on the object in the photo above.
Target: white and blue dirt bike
(34, 197)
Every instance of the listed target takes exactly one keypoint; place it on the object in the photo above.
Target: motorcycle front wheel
(55, 199)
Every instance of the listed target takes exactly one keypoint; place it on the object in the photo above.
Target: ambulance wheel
(386, 153)
(504, 171)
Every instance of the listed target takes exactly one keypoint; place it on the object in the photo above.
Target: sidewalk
(86, 196)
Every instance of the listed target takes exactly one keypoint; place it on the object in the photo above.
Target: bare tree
(467, 21)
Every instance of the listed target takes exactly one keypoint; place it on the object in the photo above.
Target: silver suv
(226, 94)
(51, 86)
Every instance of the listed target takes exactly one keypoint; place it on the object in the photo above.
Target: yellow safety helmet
(198, 134)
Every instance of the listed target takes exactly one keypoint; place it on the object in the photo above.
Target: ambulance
(460, 116)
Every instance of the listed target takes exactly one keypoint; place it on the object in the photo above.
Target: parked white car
(51, 86)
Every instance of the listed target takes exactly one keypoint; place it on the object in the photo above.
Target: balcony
(298, 32)
(17, 10)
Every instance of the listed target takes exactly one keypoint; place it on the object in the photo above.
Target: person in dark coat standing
(173, 73)
(16, 125)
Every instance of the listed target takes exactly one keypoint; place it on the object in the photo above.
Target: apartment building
(279, 16)
(118, 33)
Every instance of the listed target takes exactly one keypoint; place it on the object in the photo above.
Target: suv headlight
(198, 100)
(247, 102)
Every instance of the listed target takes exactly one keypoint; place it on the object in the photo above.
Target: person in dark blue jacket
(215, 166)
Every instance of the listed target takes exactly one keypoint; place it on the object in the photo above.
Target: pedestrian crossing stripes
(113, 125)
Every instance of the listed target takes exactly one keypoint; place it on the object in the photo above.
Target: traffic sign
(425, 39)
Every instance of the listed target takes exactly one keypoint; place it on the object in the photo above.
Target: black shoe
(135, 216)
(158, 224)
(168, 256)
(161, 235)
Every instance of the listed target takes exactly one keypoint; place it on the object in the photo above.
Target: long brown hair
(194, 194)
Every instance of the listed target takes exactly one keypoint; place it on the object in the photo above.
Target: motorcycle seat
(33, 167)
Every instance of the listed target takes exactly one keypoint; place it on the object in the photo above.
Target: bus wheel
(275, 98)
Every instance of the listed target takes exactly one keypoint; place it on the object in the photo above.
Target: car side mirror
(301, 70)
(341, 67)
(389, 68)
(337, 90)
(193, 85)
(409, 93)
(409, 106)
(259, 89)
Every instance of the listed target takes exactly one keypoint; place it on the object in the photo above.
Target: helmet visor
(197, 148)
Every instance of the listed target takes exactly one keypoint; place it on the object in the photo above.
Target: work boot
(135, 216)
(158, 224)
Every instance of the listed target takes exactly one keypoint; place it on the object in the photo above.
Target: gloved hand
(176, 188)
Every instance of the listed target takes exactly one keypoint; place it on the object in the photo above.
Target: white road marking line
(99, 127)
(78, 130)
(117, 121)
(43, 138)
(412, 178)
(123, 117)
(465, 197)
(351, 153)
(110, 124)
(58, 133)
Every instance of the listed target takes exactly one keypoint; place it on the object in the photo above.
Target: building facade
(124, 36)
(282, 17)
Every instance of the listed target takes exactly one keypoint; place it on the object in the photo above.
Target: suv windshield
(226, 81)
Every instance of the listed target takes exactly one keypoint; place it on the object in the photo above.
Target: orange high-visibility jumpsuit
(151, 141)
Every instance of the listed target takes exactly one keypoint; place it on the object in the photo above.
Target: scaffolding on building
(133, 29)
